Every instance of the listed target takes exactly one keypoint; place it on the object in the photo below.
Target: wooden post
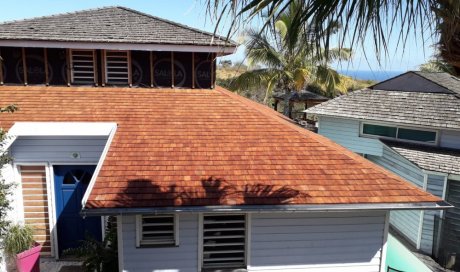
(305, 114)
(24, 65)
(45, 56)
(103, 67)
(151, 69)
(172, 69)
(193, 70)
(69, 67)
(95, 68)
(130, 72)
(275, 106)
(212, 71)
(1, 67)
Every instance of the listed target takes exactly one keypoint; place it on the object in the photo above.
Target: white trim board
(221, 50)
(61, 129)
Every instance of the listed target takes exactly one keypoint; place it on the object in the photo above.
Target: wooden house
(198, 178)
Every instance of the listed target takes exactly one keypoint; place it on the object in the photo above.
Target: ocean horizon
(370, 75)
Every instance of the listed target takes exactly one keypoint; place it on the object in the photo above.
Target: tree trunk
(287, 110)
(448, 12)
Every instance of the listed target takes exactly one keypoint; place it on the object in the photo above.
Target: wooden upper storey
(113, 46)
(101, 67)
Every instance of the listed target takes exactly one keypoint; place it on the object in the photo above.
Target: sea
(370, 75)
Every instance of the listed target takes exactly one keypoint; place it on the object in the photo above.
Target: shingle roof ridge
(56, 15)
(178, 24)
(334, 100)
(268, 112)
(423, 74)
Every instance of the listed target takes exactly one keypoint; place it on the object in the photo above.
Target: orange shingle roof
(208, 147)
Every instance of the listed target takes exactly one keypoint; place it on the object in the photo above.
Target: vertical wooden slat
(24, 65)
(103, 67)
(45, 56)
(1, 67)
(69, 67)
(151, 69)
(95, 67)
(212, 70)
(172, 69)
(193, 70)
(130, 72)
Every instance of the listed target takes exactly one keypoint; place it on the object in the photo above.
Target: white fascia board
(61, 129)
(220, 50)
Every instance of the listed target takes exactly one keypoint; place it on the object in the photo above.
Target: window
(117, 67)
(157, 230)
(224, 242)
(379, 130)
(396, 132)
(417, 135)
(83, 64)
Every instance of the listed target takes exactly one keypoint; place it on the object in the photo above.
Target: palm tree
(363, 19)
(288, 58)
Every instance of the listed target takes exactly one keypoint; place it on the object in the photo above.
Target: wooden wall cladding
(35, 199)
(148, 69)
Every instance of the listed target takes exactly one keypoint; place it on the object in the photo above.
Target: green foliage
(5, 187)
(288, 58)
(18, 239)
(99, 256)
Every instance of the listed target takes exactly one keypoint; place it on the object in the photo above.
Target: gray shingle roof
(429, 158)
(443, 79)
(108, 25)
(303, 95)
(437, 110)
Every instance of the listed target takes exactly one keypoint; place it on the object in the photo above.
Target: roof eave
(209, 48)
(270, 208)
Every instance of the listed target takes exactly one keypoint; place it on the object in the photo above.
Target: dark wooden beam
(95, 67)
(103, 67)
(130, 70)
(151, 69)
(172, 70)
(193, 70)
(24, 65)
(45, 57)
(1, 68)
(69, 67)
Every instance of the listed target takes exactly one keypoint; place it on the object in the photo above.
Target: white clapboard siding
(347, 241)
(57, 149)
(182, 258)
(450, 138)
(435, 186)
(346, 133)
(406, 222)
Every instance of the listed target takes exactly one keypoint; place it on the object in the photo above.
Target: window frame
(364, 135)
(147, 244)
(247, 237)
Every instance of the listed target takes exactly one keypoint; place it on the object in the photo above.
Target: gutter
(441, 205)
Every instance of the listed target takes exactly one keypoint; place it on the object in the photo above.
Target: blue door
(71, 182)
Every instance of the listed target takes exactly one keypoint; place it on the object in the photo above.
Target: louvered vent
(224, 241)
(156, 230)
(83, 66)
(117, 67)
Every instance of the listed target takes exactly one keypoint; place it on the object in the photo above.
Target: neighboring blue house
(409, 124)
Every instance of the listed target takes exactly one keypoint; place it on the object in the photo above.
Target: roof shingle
(428, 157)
(108, 25)
(208, 147)
(437, 110)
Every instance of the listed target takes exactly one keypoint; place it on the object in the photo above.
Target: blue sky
(193, 13)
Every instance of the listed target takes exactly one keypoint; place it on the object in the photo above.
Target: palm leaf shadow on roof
(212, 192)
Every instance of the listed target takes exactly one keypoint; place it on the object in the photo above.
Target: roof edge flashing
(441, 205)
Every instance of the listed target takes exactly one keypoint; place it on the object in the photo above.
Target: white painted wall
(183, 258)
(435, 186)
(346, 133)
(347, 241)
(407, 222)
(450, 138)
(57, 149)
